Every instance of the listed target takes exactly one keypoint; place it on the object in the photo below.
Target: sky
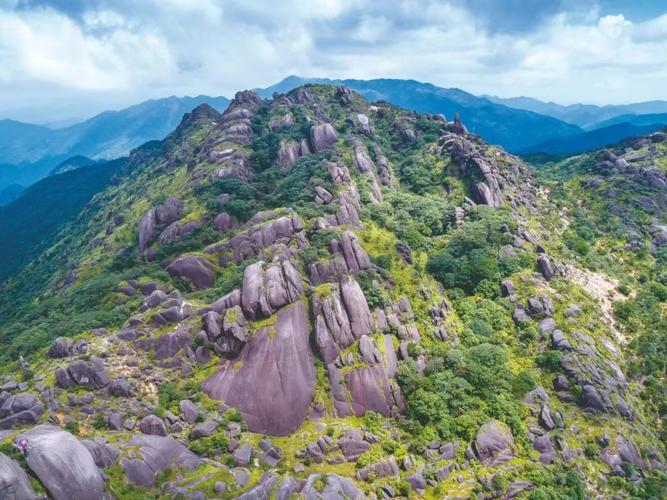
(65, 59)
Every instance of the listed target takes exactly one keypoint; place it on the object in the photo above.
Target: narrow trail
(603, 289)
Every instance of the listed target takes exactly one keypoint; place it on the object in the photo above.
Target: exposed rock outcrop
(63, 465)
(156, 454)
(322, 136)
(263, 230)
(266, 288)
(493, 443)
(197, 269)
(14, 482)
(336, 326)
(279, 365)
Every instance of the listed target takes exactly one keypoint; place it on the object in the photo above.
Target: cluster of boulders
(264, 230)
(546, 420)
(504, 179)
(342, 317)
(162, 216)
(19, 409)
(594, 366)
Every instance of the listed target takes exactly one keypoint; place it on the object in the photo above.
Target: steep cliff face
(322, 297)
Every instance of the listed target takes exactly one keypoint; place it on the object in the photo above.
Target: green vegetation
(438, 262)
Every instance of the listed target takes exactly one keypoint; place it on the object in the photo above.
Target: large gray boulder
(367, 388)
(197, 269)
(356, 257)
(288, 155)
(266, 288)
(178, 230)
(156, 453)
(356, 306)
(147, 229)
(341, 317)
(335, 487)
(153, 425)
(493, 440)
(545, 267)
(322, 136)
(23, 408)
(271, 382)
(14, 482)
(169, 211)
(63, 465)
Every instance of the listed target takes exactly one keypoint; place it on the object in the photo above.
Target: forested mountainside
(317, 297)
(28, 223)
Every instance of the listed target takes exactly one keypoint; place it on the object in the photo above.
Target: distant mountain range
(586, 116)
(10, 193)
(520, 124)
(30, 152)
(593, 139)
(513, 129)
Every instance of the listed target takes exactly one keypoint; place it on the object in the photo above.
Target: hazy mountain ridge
(593, 139)
(586, 116)
(29, 152)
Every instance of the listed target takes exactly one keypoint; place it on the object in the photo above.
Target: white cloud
(124, 51)
(46, 46)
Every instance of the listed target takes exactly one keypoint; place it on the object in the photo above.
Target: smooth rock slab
(157, 453)
(63, 465)
(197, 269)
(14, 482)
(271, 382)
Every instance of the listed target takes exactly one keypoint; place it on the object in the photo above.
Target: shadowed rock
(102, 452)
